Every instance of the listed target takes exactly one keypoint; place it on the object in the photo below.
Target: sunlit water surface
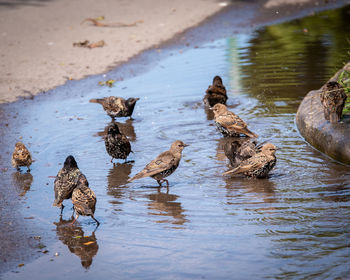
(295, 224)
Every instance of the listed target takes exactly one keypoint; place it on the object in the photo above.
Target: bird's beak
(137, 99)
(186, 145)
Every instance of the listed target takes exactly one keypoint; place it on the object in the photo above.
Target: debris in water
(107, 83)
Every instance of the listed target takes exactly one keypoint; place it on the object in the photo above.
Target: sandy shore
(36, 37)
(36, 45)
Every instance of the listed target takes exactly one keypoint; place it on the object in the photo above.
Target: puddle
(293, 225)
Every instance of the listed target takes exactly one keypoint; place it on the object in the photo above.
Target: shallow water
(294, 224)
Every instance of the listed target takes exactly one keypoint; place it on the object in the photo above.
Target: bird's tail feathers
(96, 100)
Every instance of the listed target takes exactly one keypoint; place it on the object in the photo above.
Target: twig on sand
(113, 24)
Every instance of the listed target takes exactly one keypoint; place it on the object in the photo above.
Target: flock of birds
(246, 157)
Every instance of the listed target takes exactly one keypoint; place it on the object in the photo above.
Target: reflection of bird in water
(66, 181)
(125, 128)
(117, 144)
(229, 124)
(117, 106)
(333, 99)
(117, 178)
(238, 149)
(21, 156)
(263, 189)
(85, 247)
(22, 181)
(84, 199)
(119, 174)
(164, 164)
(259, 165)
(216, 93)
(165, 205)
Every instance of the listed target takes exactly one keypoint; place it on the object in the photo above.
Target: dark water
(294, 225)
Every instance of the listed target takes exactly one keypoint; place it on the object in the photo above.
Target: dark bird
(117, 144)
(117, 107)
(66, 181)
(238, 149)
(333, 99)
(164, 165)
(84, 199)
(21, 156)
(259, 165)
(229, 124)
(216, 93)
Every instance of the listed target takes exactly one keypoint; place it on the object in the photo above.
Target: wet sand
(36, 46)
(19, 230)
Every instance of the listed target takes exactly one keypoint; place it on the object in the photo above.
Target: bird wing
(84, 201)
(216, 89)
(163, 162)
(234, 123)
(255, 162)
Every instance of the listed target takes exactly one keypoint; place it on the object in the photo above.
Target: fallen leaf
(88, 243)
(21, 264)
(107, 83)
(98, 44)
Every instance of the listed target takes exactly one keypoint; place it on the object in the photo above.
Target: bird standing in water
(229, 124)
(216, 93)
(66, 181)
(333, 99)
(164, 165)
(117, 106)
(259, 165)
(21, 156)
(84, 199)
(238, 149)
(117, 144)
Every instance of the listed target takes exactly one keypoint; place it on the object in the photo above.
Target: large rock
(332, 139)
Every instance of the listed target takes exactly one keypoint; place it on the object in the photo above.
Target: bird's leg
(97, 222)
(62, 206)
(76, 217)
(28, 169)
(167, 183)
(112, 160)
(73, 211)
(160, 182)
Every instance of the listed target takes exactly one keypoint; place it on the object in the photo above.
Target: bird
(117, 106)
(164, 164)
(216, 93)
(84, 199)
(21, 157)
(229, 124)
(259, 165)
(238, 149)
(117, 144)
(333, 99)
(66, 181)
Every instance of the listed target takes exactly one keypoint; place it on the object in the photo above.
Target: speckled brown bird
(216, 93)
(164, 165)
(259, 165)
(117, 144)
(21, 156)
(84, 199)
(117, 107)
(333, 99)
(229, 124)
(238, 149)
(66, 181)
